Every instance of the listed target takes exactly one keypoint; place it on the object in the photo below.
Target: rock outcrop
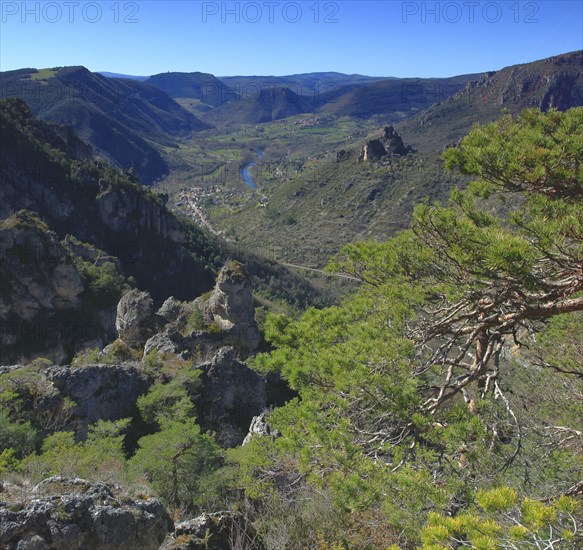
(193, 329)
(231, 307)
(261, 428)
(75, 514)
(107, 386)
(43, 306)
(38, 267)
(214, 333)
(373, 150)
(100, 392)
(390, 144)
(231, 395)
(135, 321)
(71, 398)
(393, 142)
(169, 342)
(170, 309)
(216, 531)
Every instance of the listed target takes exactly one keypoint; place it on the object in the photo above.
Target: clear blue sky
(380, 38)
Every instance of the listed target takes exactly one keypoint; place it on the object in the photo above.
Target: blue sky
(379, 38)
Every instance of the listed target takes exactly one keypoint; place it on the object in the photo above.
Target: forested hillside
(126, 121)
(438, 406)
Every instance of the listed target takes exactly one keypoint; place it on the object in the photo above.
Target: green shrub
(177, 461)
(165, 402)
(103, 284)
(214, 328)
(19, 436)
(100, 457)
(195, 321)
(153, 361)
(88, 357)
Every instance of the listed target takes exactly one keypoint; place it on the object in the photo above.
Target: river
(246, 170)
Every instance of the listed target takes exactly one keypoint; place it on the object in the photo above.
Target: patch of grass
(43, 74)
(214, 328)
(93, 356)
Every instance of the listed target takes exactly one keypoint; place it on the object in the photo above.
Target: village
(194, 200)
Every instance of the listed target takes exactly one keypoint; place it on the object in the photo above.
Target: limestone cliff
(99, 205)
(231, 307)
(46, 307)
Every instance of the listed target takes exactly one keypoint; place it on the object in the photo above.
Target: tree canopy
(408, 392)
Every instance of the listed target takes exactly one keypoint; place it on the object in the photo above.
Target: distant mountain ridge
(555, 82)
(126, 76)
(308, 84)
(202, 86)
(122, 119)
(259, 99)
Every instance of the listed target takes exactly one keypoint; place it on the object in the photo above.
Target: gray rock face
(42, 309)
(390, 144)
(38, 269)
(232, 394)
(75, 514)
(260, 427)
(125, 211)
(393, 142)
(373, 150)
(231, 306)
(217, 531)
(135, 321)
(170, 309)
(226, 318)
(169, 342)
(101, 392)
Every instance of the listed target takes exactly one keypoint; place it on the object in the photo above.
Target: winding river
(246, 170)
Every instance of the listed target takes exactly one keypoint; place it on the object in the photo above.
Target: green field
(43, 74)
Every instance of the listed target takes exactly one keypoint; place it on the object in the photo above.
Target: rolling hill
(202, 86)
(555, 82)
(260, 99)
(125, 121)
(265, 106)
(395, 98)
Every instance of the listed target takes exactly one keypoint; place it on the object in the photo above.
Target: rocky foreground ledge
(63, 513)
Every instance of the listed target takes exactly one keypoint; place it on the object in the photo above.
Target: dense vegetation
(438, 406)
(437, 381)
